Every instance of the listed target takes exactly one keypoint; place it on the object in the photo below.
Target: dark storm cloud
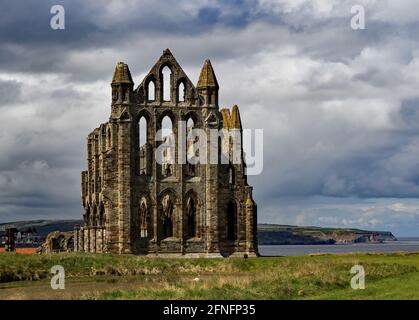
(28, 44)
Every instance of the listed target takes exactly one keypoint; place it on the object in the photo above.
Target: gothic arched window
(166, 81)
(191, 152)
(232, 220)
(181, 92)
(142, 131)
(101, 215)
(167, 216)
(151, 91)
(168, 152)
(191, 217)
(143, 220)
(142, 142)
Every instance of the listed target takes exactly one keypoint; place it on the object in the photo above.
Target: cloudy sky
(339, 107)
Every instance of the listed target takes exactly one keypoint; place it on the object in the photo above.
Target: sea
(401, 245)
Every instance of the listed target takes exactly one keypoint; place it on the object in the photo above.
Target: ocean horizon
(403, 244)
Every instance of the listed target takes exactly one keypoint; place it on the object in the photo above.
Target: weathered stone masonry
(133, 204)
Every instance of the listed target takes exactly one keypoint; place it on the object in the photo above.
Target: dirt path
(74, 288)
(82, 288)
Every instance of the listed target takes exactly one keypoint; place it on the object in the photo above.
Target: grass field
(388, 276)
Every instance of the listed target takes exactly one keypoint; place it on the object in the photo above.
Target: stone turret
(207, 76)
(208, 85)
(122, 84)
(122, 74)
(236, 122)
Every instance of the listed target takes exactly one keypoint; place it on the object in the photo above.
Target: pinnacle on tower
(231, 120)
(207, 76)
(225, 113)
(122, 74)
(235, 118)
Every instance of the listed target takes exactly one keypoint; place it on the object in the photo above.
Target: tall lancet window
(232, 221)
(142, 141)
(168, 151)
(181, 92)
(151, 90)
(167, 216)
(191, 152)
(191, 217)
(101, 215)
(143, 219)
(166, 74)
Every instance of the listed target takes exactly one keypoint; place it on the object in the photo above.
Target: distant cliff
(274, 234)
(268, 234)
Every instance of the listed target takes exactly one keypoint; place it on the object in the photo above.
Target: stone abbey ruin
(134, 202)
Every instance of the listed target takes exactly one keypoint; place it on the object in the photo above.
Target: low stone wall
(58, 242)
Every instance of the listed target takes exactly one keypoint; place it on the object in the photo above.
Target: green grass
(404, 287)
(106, 276)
